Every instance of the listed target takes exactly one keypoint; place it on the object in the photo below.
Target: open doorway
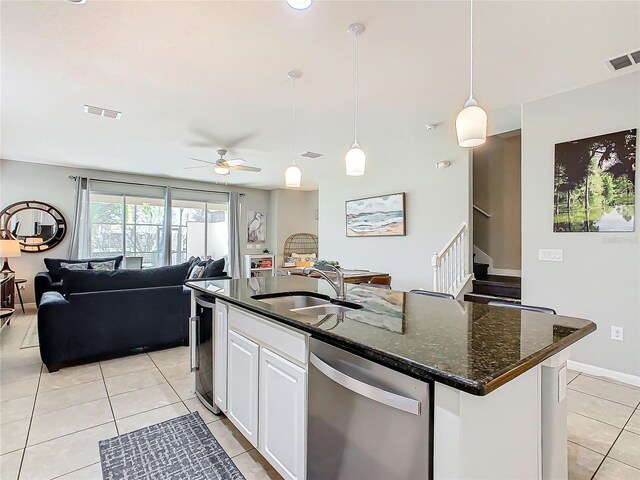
(497, 245)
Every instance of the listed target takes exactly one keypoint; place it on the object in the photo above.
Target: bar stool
(518, 306)
(428, 293)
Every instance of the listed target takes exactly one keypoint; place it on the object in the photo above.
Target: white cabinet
(282, 425)
(242, 385)
(220, 356)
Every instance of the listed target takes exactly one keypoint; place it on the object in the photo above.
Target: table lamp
(8, 248)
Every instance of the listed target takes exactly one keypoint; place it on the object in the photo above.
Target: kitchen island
(496, 377)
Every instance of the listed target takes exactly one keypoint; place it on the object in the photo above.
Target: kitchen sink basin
(327, 309)
(293, 302)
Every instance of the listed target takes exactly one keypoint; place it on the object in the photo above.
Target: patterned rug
(180, 448)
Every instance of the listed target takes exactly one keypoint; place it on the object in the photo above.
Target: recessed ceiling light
(299, 4)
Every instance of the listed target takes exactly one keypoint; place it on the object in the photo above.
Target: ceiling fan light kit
(471, 123)
(355, 159)
(221, 170)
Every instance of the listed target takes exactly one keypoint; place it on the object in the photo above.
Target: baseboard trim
(505, 272)
(603, 372)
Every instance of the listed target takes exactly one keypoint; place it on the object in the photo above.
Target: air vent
(311, 155)
(103, 112)
(624, 61)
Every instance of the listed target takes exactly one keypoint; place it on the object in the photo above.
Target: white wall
(51, 184)
(437, 201)
(599, 278)
(292, 211)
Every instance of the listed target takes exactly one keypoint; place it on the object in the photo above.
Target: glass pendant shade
(292, 176)
(221, 170)
(355, 160)
(471, 125)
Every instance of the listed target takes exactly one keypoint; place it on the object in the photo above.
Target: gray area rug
(180, 448)
(31, 338)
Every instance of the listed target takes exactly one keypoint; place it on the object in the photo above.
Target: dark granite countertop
(469, 346)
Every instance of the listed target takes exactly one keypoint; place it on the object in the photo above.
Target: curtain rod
(73, 177)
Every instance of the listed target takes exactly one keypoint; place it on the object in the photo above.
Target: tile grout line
(72, 433)
(26, 440)
(597, 420)
(104, 384)
(602, 398)
(76, 470)
(611, 448)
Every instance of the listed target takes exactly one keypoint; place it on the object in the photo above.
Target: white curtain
(80, 246)
(235, 270)
(166, 241)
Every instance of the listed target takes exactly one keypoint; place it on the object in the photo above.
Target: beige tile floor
(50, 424)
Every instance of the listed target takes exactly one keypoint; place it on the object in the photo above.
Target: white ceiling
(182, 72)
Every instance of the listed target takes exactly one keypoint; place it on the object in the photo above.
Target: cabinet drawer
(290, 344)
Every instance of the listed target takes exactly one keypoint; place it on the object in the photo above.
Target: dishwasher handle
(374, 393)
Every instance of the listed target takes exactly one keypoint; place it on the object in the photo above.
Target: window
(189, 237)
(127, 225)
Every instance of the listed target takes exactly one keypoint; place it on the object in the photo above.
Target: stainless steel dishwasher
(365, 420)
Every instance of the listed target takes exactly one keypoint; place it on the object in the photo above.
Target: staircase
(494, 287)
(450, 267)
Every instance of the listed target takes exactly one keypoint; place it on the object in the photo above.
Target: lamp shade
(221, 170)
(471, 125)
(292, 176)
(355, 161)
(9, 248)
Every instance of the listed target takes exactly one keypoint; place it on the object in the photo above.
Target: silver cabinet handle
(390, 399)
(193, 342)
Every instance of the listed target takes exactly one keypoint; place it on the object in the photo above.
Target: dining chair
(381, 280)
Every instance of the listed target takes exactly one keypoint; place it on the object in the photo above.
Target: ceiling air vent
(103, 112)
(311, 155)
(624, 61)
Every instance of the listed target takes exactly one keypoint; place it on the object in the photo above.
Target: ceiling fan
(223, 167)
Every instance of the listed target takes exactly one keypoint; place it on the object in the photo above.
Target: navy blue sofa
(106, 314)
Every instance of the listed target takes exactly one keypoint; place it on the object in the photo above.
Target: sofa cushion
(53, 264)
(213, 268)
(79, 281)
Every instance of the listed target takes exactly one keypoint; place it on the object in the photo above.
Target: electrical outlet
(550, 255)
(617, 333)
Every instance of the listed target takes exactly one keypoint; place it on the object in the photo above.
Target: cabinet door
(283, 415)
(220, 356)
(242, 385)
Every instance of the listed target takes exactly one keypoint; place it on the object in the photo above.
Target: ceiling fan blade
(234, 142)
(203, 161)
(244, 168)
(235, 161)
(199, 166)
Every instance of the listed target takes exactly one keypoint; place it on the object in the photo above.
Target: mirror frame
(11, 210)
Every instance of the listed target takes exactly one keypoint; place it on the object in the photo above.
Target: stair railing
(450, 265)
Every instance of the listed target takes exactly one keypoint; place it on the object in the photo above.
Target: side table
(20, 284)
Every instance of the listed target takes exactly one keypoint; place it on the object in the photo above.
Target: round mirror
(36, 225)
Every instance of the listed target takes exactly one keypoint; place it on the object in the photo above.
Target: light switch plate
(249, 246)
(550, 255)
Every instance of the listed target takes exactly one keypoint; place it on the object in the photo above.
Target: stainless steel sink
(327, 309)
(294, 302)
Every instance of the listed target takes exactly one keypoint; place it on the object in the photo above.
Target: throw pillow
(197, 272)
(53, 264)
(193, 261)
(74, 266)
(78, 281)
(214, 268)
(110, 265)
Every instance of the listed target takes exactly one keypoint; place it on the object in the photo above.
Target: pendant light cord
(355, 117)
(293, 124)
(471, 51)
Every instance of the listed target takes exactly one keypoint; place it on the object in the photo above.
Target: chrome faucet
(338, 285)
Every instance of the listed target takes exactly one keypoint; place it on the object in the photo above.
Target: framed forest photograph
(595, 184)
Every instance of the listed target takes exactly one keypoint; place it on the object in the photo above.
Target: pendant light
(471, 124)
(293, 174)
(356, 159)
